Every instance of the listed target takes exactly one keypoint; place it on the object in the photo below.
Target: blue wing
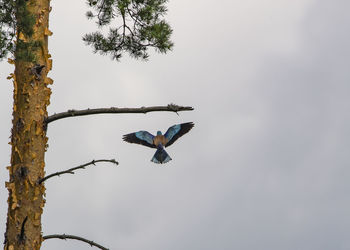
(176, 131)
(141, 137)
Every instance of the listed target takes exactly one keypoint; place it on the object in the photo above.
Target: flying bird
(159, 141)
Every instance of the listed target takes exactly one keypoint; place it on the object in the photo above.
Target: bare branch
(67, 236)
(70, 171)
(114, 110)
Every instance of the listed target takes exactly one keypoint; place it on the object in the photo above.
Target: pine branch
(114, 110)
(67, 236)
(71, 170)
(141, 27)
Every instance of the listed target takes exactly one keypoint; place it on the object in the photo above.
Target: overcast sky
(267, 164)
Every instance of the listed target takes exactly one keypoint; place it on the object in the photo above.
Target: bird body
(159, 141)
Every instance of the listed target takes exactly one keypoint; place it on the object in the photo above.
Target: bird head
(159, 133)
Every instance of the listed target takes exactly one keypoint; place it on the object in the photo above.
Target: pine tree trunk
(28, 139)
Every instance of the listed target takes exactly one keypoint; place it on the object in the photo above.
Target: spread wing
(141, 137)
(176, 131)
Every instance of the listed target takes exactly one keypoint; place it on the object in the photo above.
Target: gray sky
(266, 166)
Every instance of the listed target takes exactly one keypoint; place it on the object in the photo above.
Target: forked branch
(67, 236)
(114, 110)
(71, 170)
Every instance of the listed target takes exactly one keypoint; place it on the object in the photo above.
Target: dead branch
(67, 236)
(71, 170)
(114, 110)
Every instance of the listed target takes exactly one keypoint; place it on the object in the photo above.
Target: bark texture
(28, 138)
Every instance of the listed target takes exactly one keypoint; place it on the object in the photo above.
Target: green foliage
(7, 27)
(140, 27)
(25, 50)
(25, 20)
(14, 17)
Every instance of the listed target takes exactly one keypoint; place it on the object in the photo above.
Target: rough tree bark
(28, 139)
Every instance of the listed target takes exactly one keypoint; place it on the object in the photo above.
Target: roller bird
(159, 141)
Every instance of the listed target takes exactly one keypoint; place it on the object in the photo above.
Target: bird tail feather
(161, 156)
